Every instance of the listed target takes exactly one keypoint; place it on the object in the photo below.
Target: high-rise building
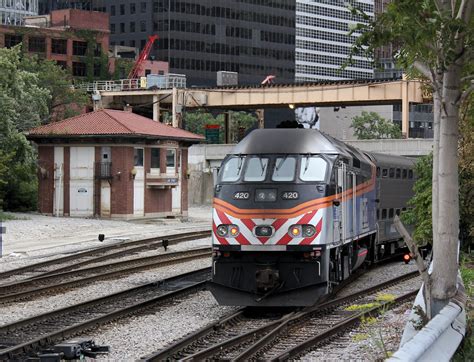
(323, 42)
(13, 12)
(198, 38)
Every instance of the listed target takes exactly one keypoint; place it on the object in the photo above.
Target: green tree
(419, 214)
(22, 99)
(64, 100)
(23, 104)
(466, 174)
(370, 125)
(434, 39)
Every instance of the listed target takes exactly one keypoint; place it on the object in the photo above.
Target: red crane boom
(142, 57)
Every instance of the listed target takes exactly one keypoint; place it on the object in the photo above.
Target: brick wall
(46, 179)
(80, 19)
(121, 198)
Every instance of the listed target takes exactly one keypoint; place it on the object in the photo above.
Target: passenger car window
(256, 169)
(232, 169)
(384, 214)
(384, 172)
(410, 173)
(404, 173)
(391, 173)
(398, 173)
(284, 169)
(390, 213)
(313, 168)
(378, 172)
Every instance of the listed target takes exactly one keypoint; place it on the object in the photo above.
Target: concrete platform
(37, 235)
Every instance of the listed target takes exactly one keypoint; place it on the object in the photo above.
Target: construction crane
(142, 57)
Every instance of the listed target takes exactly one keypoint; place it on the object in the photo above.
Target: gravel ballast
(20, 310)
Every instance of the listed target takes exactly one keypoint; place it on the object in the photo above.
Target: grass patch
(466, 351)
(4, 216)
(361, 307)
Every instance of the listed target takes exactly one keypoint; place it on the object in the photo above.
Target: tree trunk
(445, 250)
(434, 192)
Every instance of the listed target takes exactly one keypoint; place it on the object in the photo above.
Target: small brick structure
(112, 164)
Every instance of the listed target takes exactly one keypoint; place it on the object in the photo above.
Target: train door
(340, 208)
(353, 185)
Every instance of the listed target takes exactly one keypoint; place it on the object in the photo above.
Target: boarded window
(155, 158)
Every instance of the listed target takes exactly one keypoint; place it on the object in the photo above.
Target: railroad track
(49, 284)
(287, 336)
(26, 337)
(92, 256)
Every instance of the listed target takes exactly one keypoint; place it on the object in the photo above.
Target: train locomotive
(296, 211)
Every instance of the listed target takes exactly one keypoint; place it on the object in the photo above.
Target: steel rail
(100, 272)
(340, 327)
(260, 336)
(184, 284)
(128, 247)
(308, 312)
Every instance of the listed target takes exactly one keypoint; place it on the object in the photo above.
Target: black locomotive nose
(264, 231)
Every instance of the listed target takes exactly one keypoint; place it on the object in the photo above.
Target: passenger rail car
(296, 212)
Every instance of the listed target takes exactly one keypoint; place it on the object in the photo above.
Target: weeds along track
(95, 255)
(24, 338)
(255, 335)
(51, 284)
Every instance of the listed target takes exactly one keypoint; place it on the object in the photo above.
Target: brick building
(112, 164)
(63, 36)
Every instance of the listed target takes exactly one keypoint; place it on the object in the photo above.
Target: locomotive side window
(231, 170)
(384, 172)
(404, 173)
(284, 169)
(313, 168)
(256, 169)
(398, 173)
(391, 173)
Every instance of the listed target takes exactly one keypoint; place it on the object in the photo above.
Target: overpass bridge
(324, 93)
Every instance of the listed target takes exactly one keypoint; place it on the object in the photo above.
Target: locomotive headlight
(234, 230)
(308, 231)
(295, 230)
(222, 230)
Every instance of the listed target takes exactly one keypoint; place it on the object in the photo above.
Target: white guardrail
(439, 338)
(151, 81)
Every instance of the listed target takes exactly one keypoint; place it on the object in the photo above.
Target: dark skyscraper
(198, 38)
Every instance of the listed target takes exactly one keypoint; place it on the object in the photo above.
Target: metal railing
(152, 81)
(103, 170)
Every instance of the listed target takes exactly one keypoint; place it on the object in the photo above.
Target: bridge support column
(260, 117)
(405, 108)
(173, 107)
(156, 109)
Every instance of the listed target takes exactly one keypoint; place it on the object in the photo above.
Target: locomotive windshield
(284, 169)
(256, 169)
(313, 168)
(232, 169)
(277, 168)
